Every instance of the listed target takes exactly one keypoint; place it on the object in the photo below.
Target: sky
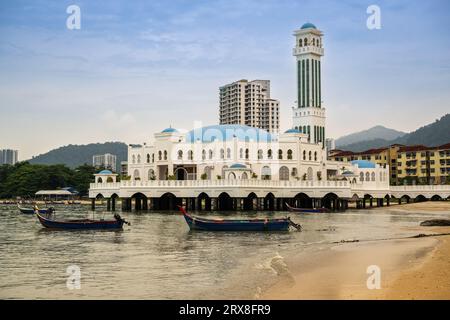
(137, 67)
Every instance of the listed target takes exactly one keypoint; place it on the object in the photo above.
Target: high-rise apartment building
(105, 161)
(249, 103)
(8, 156)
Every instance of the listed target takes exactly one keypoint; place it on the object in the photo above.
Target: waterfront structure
(309, 114)
(9, 156)
(415, 164)
(236, 165)
(249, 103)
(105, 161)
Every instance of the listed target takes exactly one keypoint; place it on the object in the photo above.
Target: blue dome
(308, 25)
(363, 164)
(169, 130)
(227, 132)
(292, 131)
(105, 172)
(238, 166)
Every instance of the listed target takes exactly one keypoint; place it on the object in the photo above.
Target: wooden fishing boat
(82, 224)
(306, 210)
(31, 210)
(280, 224)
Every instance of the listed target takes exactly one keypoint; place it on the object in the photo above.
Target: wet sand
(417, 268)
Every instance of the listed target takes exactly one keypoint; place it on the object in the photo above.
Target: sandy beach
(417, 268)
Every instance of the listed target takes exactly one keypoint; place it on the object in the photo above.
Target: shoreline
(411, 268)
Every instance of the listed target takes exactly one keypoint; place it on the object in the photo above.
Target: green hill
(434, 134)
(76, 155)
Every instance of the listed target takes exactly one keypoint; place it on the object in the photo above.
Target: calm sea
(157, 257)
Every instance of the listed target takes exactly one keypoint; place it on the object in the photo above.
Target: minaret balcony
(309, 49)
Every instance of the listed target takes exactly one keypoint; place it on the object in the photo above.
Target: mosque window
(139, 158)
(289, 154)
(269, 154)
(153, 157)
(315, 156)
(304, 154)
(159, 155)
(305, 42)
(165, 154)
(260, 154)
(148, 158)
(134, 159)
(309, 155)
(222, 154)
(211, 154)
(246, 154)
(180, 155)
(361, 176)
(204, 155)
(228, 153)
(280, 154)
(190, 155)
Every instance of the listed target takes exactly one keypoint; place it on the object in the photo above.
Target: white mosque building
(217, 155)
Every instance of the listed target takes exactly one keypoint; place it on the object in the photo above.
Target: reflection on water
(158, 257)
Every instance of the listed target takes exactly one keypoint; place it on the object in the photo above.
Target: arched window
(367, 176)
(148, 158)
(260, 154)
(265, 173)
(208, 172)
(151, 174)
(180, 154)
(99, 180)
(305, 42)
(136, 175)
(309, 156)
(159, 155)
(228, 153)
(314, 42)
(190, 155)
(304, 154)
(134, 159)
(373, 176)
(289, 154)
(231, 175)
(315, 155)
(246, 154)
(294, 172)
(244, 176)
(211, 154)
(241, 153)
(165, 154)
(269, 154)
(203, 154)
(222, 154)
(361, 176)
(300, 43)
(153, 157)
(284, 173)
(280, 154)
(139, 158)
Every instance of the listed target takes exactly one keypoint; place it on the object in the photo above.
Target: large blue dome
(228, 132)
(363, 164)
(308, 25)
(292, 131)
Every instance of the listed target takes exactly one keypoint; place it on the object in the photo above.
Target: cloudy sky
(136, 67)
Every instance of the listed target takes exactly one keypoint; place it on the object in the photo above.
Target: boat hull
(306, 210)
(31, 211)
(81, 224)
(237, 225)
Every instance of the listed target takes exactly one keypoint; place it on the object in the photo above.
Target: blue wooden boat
(82, 224)
(196, 223)
(31, 210)
(306, 210)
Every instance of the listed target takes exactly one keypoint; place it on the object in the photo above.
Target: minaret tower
(309, 116)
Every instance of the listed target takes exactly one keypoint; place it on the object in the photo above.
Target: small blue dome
(308, 25)
(105, 172)
(292, 131)
(238, 166)
(169, 130)
(363, 164)
(227, 132)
